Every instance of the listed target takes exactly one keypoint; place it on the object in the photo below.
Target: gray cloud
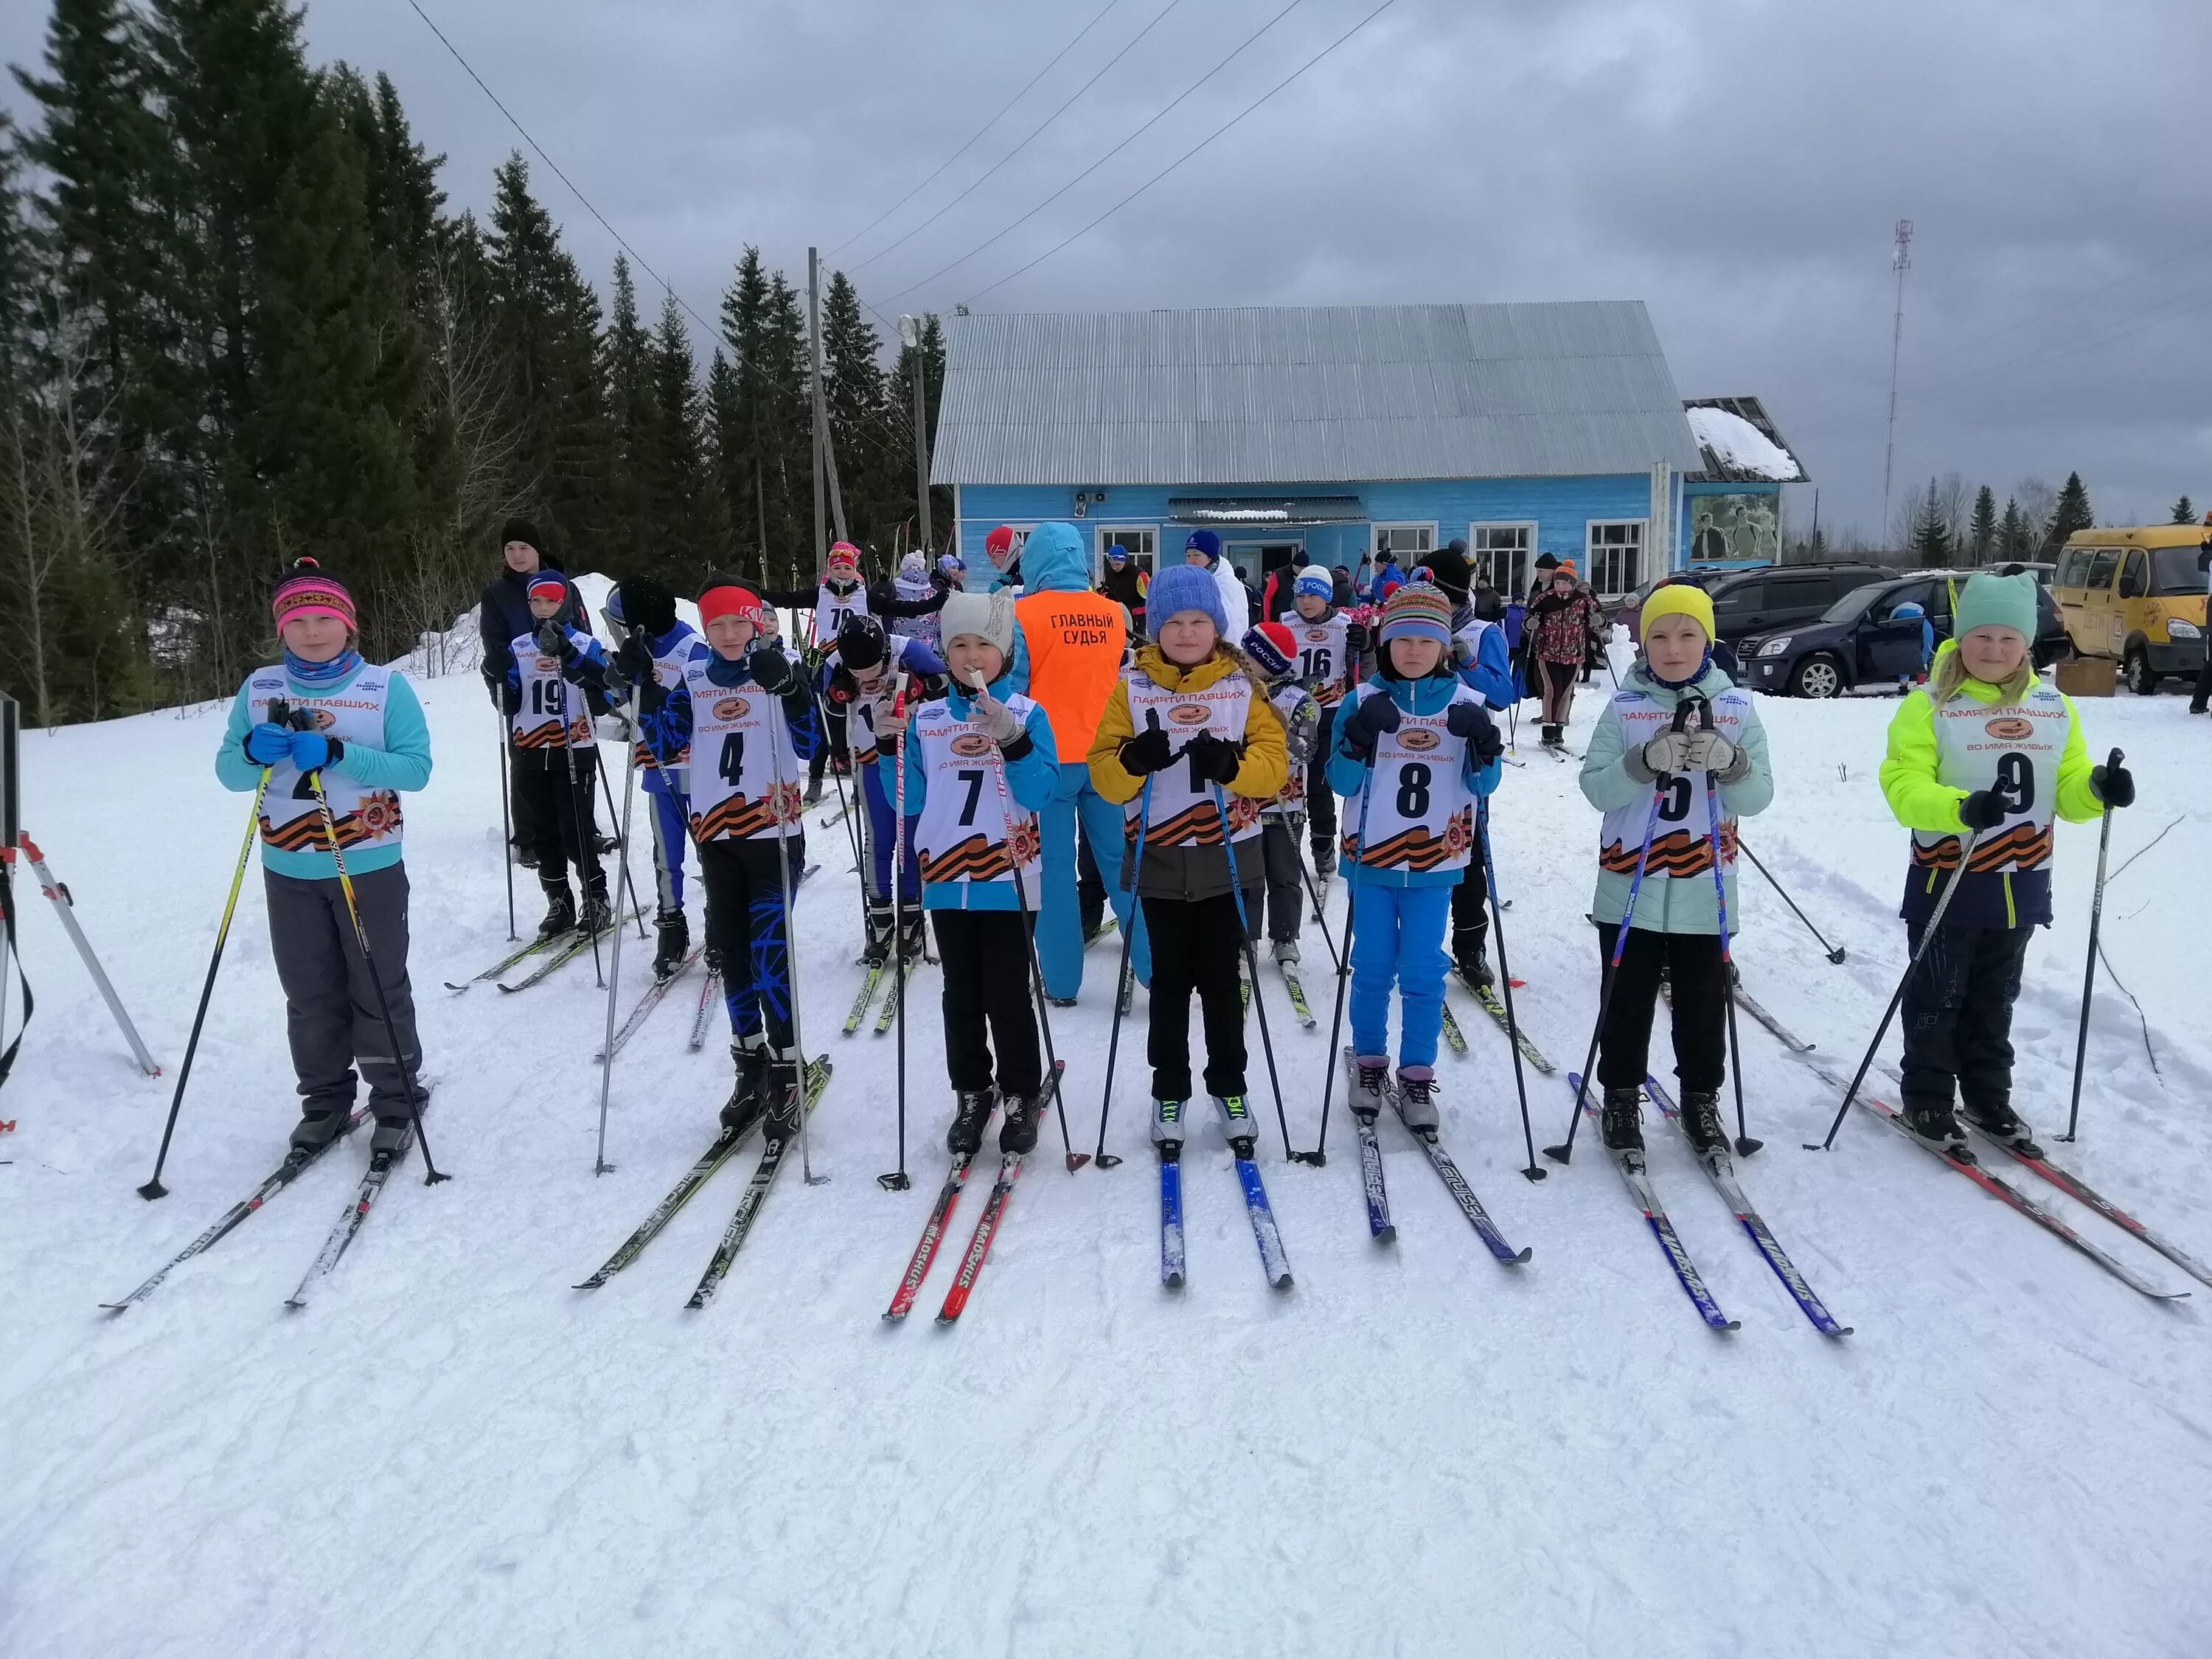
(1736, 163)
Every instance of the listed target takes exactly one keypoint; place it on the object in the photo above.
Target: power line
(977, 134)
(1037, 132)
(1187, 154)
(1009, 229)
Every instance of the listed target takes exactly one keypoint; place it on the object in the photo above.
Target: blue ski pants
(1060, 911)
(1398, 937)
(882, 824)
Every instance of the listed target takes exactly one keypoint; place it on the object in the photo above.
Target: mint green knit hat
(1990, 601)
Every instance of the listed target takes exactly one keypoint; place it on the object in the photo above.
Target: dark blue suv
(1860, 641)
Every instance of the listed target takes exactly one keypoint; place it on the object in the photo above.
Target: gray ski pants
(332, 1014)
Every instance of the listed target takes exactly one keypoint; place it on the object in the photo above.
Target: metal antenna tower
(1901, 262)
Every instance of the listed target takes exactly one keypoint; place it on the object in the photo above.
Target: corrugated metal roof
(1308, 395)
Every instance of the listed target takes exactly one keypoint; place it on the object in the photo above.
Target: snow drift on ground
(1413, 1452)
(1741, 444)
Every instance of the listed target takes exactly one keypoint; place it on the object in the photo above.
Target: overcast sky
(1736, 164)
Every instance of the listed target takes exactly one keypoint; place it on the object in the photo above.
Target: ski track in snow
(1413, 1452)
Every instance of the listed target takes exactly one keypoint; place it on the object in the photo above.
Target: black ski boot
(675, 943)
(560, 911)
(780, 1122)
(1933, 1125)
(394, 1129)
(912, 942)
(1620, 1121)
(1997, 1120)
(876, 952)
(319, 1125)
(1017, 1130)
(710, 956)
(1473, 970)
(1701, 1123)
(597, 915)
(744, 1106)
(971, 1115)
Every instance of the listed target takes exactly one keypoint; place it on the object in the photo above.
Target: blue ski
(1630, 1165)
(1171, 1256)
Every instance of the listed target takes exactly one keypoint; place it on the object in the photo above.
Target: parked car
(1760, 600)
(2136, 595)
(1862, 640)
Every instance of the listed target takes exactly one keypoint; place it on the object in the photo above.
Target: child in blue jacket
(1415, 751)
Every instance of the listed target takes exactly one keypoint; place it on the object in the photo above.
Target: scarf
(322, 673)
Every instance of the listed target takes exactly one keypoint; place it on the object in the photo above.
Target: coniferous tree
(1982, 531)
(2072, 514)
(852, 385)
(2185, 511)
(898, 394)
(2014, 534)
(682, 524)
(1932, 547)
(764, 441)
(626, 353)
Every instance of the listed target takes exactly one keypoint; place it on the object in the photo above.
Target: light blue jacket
(1348, 773)
(1032, 775)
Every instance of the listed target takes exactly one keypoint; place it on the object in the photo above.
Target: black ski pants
(1196, 945)
(748, 923)
(1697, 982)
(1470, 911)
(1089, 885)
(554, 816)
(332, 1018)
(1278, 849)
(1958, 1014)
(988, 1006)
(1321, 803)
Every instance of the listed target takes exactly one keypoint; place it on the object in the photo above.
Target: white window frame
(1425, 528)
(1521, 565)
(1148, 562)
(1593, 550)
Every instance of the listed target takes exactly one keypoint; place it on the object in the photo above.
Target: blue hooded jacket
(1053, 561)
(1347, 776)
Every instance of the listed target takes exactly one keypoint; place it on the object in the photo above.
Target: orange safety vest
(1075, 642)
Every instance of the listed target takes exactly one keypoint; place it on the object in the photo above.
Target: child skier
(1984, 747)
(556, 686)
(1416, 749)
(748, 716)
(1182, 726)
(656, 647)
(1637, 756)
(367, 743)
(980, 766)
(1327, 643)
(873, 671)
(1273, 655)
(1484, 663)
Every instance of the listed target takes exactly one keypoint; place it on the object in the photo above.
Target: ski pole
(1836, 952)
(1104, 1159)
(897, 1182)
(66, 907)
(1927, 939)
(1745, 1146)
(607, 794)
(153, 1188)
(614, 977)
(791, 949)
(845, 807)
(1565, 1150)
(1319, 1155)
(506, 822)
(1252, 964)
(1535, 1171)
(2089, 974)
(1314, 893)
(584, 848)
(434, 1174)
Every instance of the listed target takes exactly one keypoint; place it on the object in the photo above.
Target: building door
(1254, 561)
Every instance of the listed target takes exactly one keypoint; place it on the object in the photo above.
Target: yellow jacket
(1267, 758)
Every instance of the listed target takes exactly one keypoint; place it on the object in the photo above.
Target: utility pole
(1901, 262)
(821, 419)
(910, 337)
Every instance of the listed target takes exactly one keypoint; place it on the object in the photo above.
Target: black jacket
(503, 617)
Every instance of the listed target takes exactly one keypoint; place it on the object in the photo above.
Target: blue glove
(312, 750)
(268, 744)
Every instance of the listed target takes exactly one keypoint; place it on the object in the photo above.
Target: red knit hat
(1270, 645)
(310, 592)
(846, 554)
(998, 545)
(549, 585)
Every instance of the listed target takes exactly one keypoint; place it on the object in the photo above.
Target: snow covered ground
(1413, 1452)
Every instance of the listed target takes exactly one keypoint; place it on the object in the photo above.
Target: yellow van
(2136, 595)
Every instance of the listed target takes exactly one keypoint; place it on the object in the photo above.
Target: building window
(1408, 543)
(1501, 552)
(1140, 542)
(1613, 563)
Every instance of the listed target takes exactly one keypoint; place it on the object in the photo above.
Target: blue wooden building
(1327, 435)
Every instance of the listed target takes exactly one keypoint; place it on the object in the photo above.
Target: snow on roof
(1736, 443)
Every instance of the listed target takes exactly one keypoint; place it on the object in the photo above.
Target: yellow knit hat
(1676, 600)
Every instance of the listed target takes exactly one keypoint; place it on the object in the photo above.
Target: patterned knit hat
(1419, 610)
(308, 592)
(987, 615)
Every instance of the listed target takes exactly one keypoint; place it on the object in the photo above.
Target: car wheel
(1819, 676)
(2138, 674)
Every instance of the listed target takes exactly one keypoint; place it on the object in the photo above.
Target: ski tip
(894, 1316)
(1284, 1283)
(1725, 1324)
(1521, 1260)
(115, 1307)
(293, 1305)
(1386, 1234)
(590, 1283)
(1172, 1281)
(1836, 1330)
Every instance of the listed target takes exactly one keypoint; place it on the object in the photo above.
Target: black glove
(1471, 722)
(1146, 752)
(1212, 760)
(510, 698)
(1982, 810)
(553, 642)
(769, 667)
(2115, 786)
(1365, 725)
(1355, 637)
(634, 658)
(651, 693)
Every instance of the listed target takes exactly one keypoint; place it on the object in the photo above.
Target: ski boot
(1324, 859)
(560, 911)
(675, 943)
(597, 916)
(1620, 1121)
(319, 1125)
(1092, 930)
(1474, 971)
(971, 1115)
(781, 1086)
(394, 1126)
(1168, 1128)
(1017, 1130)
(1060, 1002)
(876, 951)
(1286, 952)
(744, 1105)
(1238, 1126)
(1416, 1098)
(1997, 1120)
(913, 943)
(1701, 1123)
(1369, 1086)
(1933, 1125)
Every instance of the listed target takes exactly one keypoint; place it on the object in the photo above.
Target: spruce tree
(625, 351)
(765, 441)
(1931, 535)
(2185, 511)
(2072, 514)
(852, 382)
(2014, 533)
(1981, 532)
(676, 473)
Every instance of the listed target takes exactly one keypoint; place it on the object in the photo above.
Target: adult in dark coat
(502, 617)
